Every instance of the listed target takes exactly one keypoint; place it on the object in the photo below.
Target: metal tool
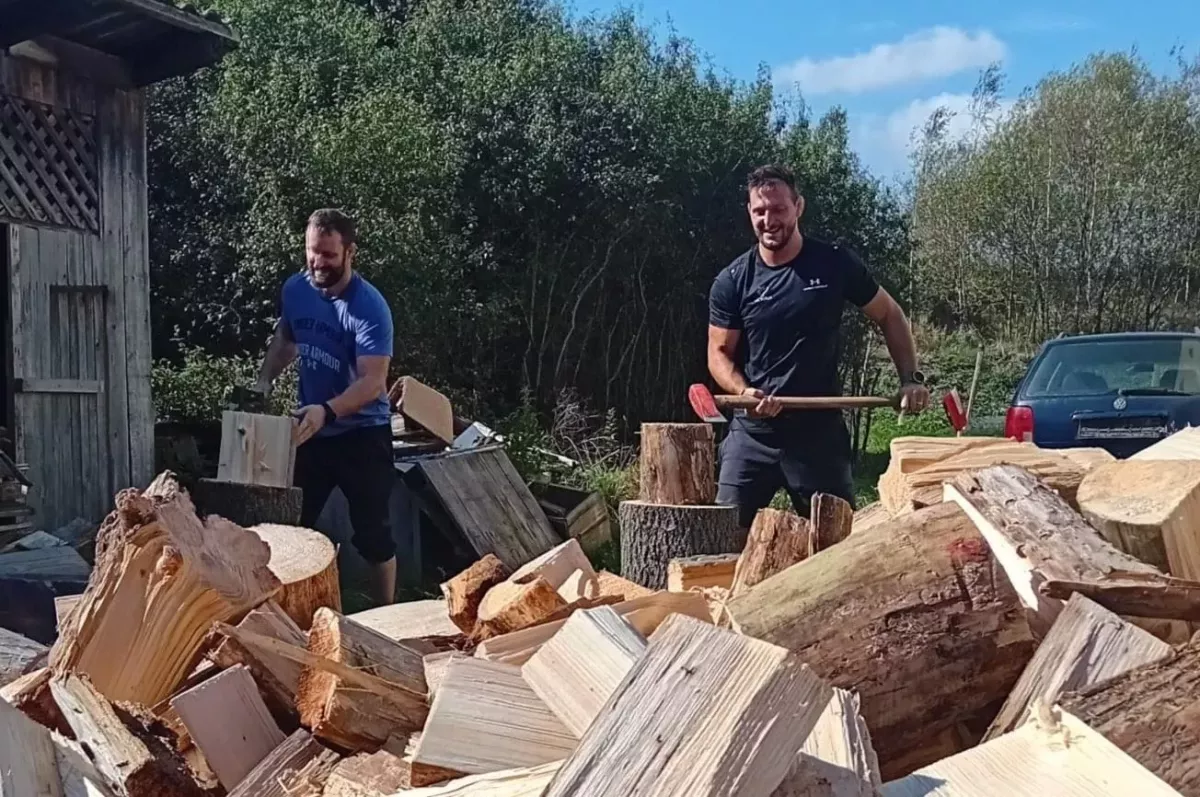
(245, 399)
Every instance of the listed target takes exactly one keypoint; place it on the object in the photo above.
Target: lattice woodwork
(48, 172)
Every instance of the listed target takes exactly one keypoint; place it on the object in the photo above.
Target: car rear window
(1166, 366)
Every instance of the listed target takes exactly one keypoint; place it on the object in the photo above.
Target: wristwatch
(917, 377)
(330, 415)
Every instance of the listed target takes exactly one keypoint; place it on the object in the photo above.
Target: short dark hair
(329, 220)
(772, 173)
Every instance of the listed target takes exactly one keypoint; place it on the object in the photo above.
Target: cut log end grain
(305, 562)
(677, 464)
(465, 591)
(511, 606)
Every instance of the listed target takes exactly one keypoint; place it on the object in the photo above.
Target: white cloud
(932, 53)
(1042, 21)
(885, 141)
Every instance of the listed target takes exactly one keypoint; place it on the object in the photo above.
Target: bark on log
(305, 562)
(511, 606)
(915, 615)
(653, 534)
(465, 591)
(677, 465)
(248, 504)
(777, 540)
(830, 521)
(162, 578)
(1150, 713)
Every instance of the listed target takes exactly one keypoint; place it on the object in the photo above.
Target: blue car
(1121, 391)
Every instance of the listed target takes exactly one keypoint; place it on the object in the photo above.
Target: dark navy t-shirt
(330, 334)
(790, 315)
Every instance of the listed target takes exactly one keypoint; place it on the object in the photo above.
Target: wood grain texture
(132, 761)
(511, 605)
(491, 504)
(305, 562)
(1088, 644)
(257, 449)
(162, 578)
(677, 464)
(778, 539)
(425, 406)
(870, 515)
(914, 614)
(1184, 444)
(837, 759)
(277, 677)
(475, 699)
(378, 689)
(687, 572)
(408, 620)
(654, 534)
(1150, 714)
(230, 724)
(299, 767)
(577, 670)
(31, 695)
(522, 782)
(19, 656)
(1058, 755)
(465, 591)
(556, 565)
(611, 585)
(727, 714)
(28, 763)
(645, 614)
(1149, 509)
(830, 521)
(1049, 551)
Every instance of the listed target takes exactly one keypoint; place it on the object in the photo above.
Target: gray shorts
(757, 458)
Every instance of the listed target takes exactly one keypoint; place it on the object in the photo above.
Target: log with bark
(830, 521)
(305, 562)
(465, 591)
(676, 464)
(654, 534)
(778, 539)
(914, 614)
(248, 504)
(162, 578)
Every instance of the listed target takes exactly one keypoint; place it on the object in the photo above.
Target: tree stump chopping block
(677, 465)
(654, 534)
(248, 504)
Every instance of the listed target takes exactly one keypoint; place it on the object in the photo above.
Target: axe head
(704, 405)
(955, 412)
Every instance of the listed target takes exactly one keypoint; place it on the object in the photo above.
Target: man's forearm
(725, 373)
(898, 336)
(280, 353)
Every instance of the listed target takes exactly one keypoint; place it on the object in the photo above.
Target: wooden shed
(73, 238)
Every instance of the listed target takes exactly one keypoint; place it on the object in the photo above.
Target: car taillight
(1018, 424)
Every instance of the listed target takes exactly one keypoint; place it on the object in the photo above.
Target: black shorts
(757, 458)
(360, 462)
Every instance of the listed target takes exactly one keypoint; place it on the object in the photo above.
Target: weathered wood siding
(81, 314)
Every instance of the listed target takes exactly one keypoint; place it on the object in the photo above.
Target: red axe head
(955, 412)
(703, 404)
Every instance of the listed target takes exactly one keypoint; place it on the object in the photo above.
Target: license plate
(1134, 429)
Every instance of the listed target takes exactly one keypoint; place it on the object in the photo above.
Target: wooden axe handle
(811, 402)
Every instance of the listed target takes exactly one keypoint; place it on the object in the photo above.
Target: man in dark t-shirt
(777, 311)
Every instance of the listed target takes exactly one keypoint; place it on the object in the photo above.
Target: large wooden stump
(305, 562)
(915, 615)
(677, 465)
(654, 534)
(248, 504)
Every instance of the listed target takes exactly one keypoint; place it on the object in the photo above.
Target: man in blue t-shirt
(775, 316)
(340, 327)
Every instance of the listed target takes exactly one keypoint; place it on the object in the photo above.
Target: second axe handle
(811, 402)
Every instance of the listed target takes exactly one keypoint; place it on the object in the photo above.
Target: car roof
(1103, 336)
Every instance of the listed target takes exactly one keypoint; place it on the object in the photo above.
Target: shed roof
(156, 38)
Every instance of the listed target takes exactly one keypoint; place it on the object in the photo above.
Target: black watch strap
(330, 415)
(915, 377)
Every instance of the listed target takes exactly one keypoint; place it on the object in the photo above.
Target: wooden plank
(19, 656)
(645, 614)
(1049, 551)
(1150, 509)
(46, 564)
(277, 677)
(230, 724)
(1088, 644)
(523, 782)
(299, 767)
(257, 449)
(408, 620)
(1058, 756)
(67, 386)
(577, 670)
(1150, 714)
(425, 406)
(475, 699)
(487, 500)
(837, 759)
(687, 572)
(722, 709)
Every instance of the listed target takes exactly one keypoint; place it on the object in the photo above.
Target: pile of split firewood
(1006, 621)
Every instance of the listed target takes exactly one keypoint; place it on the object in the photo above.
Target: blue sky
(892, 63)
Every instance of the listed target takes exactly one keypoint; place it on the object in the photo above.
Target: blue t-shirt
(330, 334)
